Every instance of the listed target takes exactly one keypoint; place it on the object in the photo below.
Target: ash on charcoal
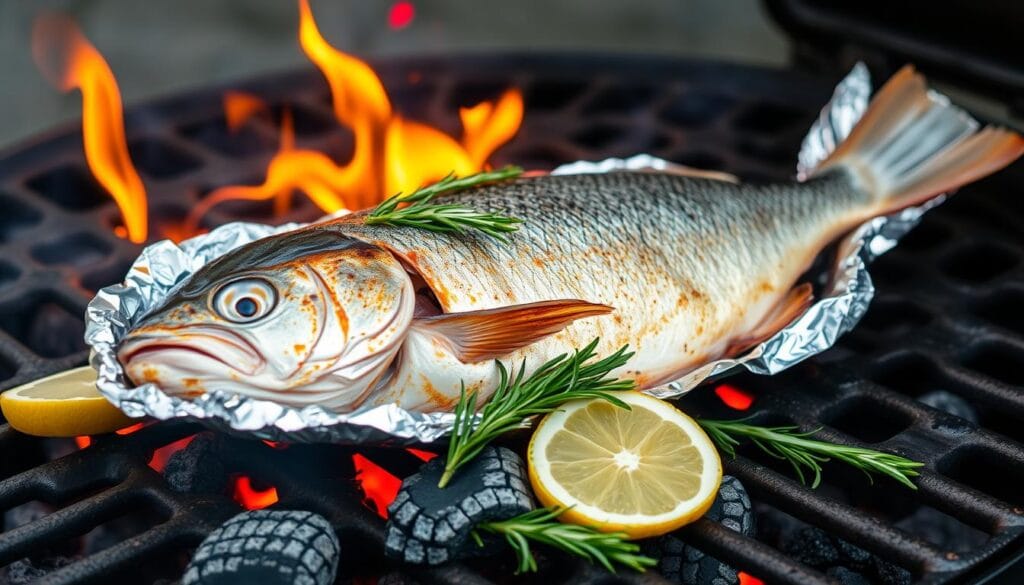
(396, 578)
(26, 514)
(198, 468)
(430, 525)
(679, 562)
(267, 547)
(25, 571)
(843, 561)
(847, 577)
(950, 403)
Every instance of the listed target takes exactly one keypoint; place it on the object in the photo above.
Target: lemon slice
(644, 471)
(66, 404)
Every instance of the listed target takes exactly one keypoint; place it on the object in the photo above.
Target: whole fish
(683, 269)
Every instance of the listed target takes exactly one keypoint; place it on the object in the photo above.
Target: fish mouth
(224, 347)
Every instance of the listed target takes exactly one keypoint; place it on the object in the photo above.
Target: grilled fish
(681, 268)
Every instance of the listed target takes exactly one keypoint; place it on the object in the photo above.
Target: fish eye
(245, 301)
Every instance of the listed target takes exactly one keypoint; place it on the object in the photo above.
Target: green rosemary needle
(567, 377)
(802, 452)
(421, 213)
(541, 526)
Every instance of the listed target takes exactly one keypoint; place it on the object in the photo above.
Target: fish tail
(912, 145)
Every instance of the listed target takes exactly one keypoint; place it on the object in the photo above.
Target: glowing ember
(131, 429)
(250, 498)
(160, 457)
(239, 107)
(747, 579)
(733, 397)
(69, 61)
(422, 455)
(84, 440)
(391, 153)
(401, 15)
(379, 485)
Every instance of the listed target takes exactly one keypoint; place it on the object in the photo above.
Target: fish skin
(688, 264)
(694, 268)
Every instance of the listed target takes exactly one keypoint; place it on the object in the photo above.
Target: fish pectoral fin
(792, 306)
(475, 336)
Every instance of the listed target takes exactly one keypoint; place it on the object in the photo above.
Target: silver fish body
(682, 269)
(689, 266)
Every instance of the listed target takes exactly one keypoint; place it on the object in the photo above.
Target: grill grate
(947, 317)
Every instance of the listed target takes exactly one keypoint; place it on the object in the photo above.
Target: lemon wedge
(644, 471)
(66, 404)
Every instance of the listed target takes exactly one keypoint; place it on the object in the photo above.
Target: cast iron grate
(947, 317)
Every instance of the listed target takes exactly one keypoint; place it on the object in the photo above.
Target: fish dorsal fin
(475, 336)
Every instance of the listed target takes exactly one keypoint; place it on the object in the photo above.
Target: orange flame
(83, 441)
(748, 579)
(239, 107)
(733, 397)
(250, 498)
(391, 154)
(379, 485)
(69, 61)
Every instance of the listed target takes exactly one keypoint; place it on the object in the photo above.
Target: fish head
(310, 317)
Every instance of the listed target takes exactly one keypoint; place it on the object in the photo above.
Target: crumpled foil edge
(164, 266)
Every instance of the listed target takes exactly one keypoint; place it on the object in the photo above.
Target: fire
(250, 498)
(748, 579)
(239, 107)
(379, 485)
(130, 429)
(84, 441)
(162, 455)
(733, 397)
(392, 154)
(69, 61)
(421, 454)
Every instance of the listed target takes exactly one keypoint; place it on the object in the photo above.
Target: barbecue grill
(947, 319)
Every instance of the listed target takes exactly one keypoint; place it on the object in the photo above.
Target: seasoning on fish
(683, 269)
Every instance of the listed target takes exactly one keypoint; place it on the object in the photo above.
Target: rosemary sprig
(541, 526)
(802, 452)
(447, 217)
(557, 381)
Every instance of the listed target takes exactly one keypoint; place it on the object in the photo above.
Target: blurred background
(160, 47)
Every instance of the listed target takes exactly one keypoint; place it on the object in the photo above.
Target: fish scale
(666, 251)
(683, 269)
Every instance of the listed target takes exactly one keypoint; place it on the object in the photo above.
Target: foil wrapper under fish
(843, 297)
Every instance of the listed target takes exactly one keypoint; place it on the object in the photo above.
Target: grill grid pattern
(947, 316)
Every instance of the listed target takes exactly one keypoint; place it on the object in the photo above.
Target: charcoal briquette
(267, 546)
(887, 573)
(812, 547)
(679, 562)
(426, 521)
(847, 577)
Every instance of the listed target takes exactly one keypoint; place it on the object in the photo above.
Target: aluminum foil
(164, 266)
